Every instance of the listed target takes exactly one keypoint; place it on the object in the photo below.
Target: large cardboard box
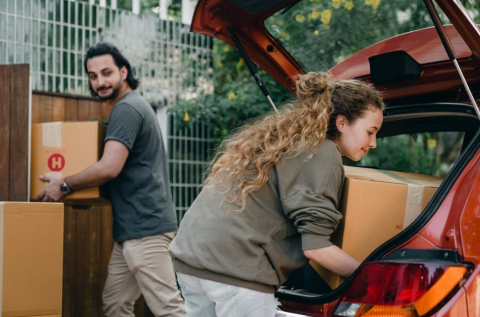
(31, 249)
(376, 205)
(61, 149)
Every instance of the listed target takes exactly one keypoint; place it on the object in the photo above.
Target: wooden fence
(14, 98)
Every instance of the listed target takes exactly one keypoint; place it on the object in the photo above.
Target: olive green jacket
(296, 210)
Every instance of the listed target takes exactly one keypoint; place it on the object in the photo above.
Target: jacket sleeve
(310, 190)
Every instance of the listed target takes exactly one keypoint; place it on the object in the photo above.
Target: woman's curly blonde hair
(243, 160)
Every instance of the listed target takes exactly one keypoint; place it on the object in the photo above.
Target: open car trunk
(428, 116)
(290, 37)
(421, 124)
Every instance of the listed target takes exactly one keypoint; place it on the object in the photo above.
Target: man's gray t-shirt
(140, 195)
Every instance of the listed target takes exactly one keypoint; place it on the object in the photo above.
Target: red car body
(451, 222)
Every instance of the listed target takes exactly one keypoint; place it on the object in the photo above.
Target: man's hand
(52, 191)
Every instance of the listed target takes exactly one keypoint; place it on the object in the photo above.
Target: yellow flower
(315, 14)
(336, 3)
(240, 62)
(326, 16)
(369, 2)
(375, 3)
(226, 48)
(326, 26)
(300, 18)
(316, 32)
(231, 96)
(219, 64)
(186, 118)
(432, 143)
(348, 5)
(284, 35)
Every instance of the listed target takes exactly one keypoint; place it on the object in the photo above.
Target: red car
(421, 54)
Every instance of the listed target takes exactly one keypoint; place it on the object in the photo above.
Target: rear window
(320, 34)
(430, 153)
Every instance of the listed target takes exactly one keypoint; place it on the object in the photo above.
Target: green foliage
(319, 34)
(405, 153)
(236, 97)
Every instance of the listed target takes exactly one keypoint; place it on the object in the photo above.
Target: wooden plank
(4, 132)
(83, 110)
(106, 242)
(95, 110)
(81, 263)
(58, 109)
(46, 108)
(106, 111)
(35, 108)
(140, 307)
(19, 111)
(71, 109)
(69, 263)
(94, 289)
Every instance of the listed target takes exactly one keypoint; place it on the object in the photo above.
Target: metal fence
(189, 152)
(172, 64)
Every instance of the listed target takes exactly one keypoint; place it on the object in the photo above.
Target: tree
(332, 30)
(236, 97)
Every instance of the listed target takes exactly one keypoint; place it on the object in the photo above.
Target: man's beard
(115, 91)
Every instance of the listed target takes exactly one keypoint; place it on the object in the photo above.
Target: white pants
(142, 266)
(212, 299)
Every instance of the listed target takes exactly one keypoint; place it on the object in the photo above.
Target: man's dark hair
(120, 60)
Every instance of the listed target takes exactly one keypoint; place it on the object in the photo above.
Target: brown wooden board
(105, 111)
(46, 108)
(4, 132)
(106, 242)
(140, 308)
(19, 121)
(69, 262)
(95, 110)
(94, 299)
(58, 109)
(35, 108)
(71, 109)
(83, 110)
(81, 267)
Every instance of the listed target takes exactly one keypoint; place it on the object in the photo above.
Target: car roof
(213, 17)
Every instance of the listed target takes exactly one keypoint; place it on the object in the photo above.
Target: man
(134, 166)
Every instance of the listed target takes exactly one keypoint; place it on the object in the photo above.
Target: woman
(271, 200)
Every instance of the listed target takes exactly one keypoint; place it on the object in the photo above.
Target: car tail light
(400, 289)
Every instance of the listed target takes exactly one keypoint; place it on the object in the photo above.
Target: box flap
(392, 177)
(369, 174)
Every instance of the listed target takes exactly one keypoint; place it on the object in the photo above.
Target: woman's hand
(334, 259)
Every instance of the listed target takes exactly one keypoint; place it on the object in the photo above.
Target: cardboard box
(31, 249)
(61, 149)
(376, 205)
